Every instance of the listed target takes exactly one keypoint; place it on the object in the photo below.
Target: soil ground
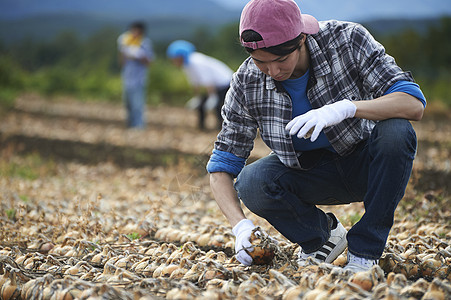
(72, 171)
(95, 132)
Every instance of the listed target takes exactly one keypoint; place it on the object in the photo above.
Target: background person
(135, 55)
(333, 78)
(209, 77)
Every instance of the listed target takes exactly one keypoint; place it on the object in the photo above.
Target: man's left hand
(319, 118)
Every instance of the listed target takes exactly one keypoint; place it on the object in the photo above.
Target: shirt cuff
(221, 161)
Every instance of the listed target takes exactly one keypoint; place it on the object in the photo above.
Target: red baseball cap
(277, 21)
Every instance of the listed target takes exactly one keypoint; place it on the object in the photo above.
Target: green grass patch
(7, 97)
(29, 167)
(17, 170)
(11, 214)
(133, 236)
(24, 198)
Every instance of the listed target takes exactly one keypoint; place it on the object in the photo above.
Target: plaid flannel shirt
(346, 62)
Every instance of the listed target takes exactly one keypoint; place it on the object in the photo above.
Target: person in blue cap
(209, 77)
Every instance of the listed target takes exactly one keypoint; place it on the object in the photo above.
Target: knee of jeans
(395, 137)
(251, 188)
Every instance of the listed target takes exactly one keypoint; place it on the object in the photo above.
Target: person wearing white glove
(334, 79)
(242, 232)
(317, 119)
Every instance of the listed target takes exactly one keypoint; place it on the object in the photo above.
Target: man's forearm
(226, 197)
(394, 105)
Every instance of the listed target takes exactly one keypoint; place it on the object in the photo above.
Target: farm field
(92, 210)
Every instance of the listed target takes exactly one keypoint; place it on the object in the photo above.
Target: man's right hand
(242, 231)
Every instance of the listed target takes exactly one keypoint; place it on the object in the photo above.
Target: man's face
(136, 31)
(280, 68)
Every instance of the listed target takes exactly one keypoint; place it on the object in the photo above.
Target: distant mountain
(165, 19)
(364, 10)
(47, 27)
(202, 9)
(220, 10)
(391, 26)
(171, 19)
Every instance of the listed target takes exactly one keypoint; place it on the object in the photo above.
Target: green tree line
(88, 68)
(428, 56)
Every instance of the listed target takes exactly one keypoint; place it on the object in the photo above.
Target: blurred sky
(355, 10)
(351, 10)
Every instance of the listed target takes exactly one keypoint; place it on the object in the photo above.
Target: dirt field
(91, 209)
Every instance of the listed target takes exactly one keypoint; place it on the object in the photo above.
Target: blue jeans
(376, 172)
(134, 98)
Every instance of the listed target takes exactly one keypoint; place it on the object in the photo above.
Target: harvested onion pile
(75, 231)
(127, 243)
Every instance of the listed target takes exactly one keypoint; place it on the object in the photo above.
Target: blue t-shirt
(297, 89)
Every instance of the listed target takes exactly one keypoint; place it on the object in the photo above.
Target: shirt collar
(318, 60)
(270, 83)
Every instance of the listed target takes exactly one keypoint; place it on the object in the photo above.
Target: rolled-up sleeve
(221, 161)
(408, 87)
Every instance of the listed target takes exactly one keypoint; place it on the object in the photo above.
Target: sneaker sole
(354, 268)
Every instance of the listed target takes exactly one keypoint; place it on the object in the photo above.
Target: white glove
(325, 116)
(242, 232)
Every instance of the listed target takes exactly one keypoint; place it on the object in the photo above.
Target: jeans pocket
(309, 159)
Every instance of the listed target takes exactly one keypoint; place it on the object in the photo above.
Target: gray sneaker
(359, 264)
(336, 244)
